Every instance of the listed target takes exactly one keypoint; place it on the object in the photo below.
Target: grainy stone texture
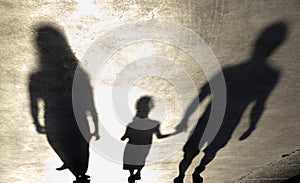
(229, 27)
(284, 169)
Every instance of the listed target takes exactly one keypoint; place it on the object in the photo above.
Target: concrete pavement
(228, 27)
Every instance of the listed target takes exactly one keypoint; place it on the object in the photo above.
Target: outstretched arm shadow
(182, 126)
(257, 111)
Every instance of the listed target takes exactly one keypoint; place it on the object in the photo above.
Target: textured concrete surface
(285, 169)
(229, 27)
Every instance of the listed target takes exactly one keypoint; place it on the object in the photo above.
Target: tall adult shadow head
(269, 40)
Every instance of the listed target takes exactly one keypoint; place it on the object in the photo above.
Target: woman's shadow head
(52, 46)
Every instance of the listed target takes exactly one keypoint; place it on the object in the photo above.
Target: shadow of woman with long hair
(67, 134)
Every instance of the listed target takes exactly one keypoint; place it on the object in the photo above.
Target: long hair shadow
(52, 83)
(246, 83)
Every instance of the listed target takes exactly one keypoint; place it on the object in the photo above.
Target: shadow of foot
(178, 180)
(137, 176)
(82, 179)
(131, 179)
(197, 179)
(63, 167)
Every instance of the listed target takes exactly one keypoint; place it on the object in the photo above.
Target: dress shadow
(66, 125)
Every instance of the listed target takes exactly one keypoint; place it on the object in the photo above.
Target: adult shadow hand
(246, 134)
(182, 126)
(40, 129)
(96, 135)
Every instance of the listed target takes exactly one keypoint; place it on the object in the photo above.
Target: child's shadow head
(144, 106)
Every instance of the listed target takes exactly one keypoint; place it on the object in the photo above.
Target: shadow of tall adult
(66, 128)
(246, 83)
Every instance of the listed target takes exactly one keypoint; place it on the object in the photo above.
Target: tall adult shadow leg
(191, 149)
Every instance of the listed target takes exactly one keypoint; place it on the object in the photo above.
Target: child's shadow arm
(126, 134)
(161, 136)
(124, 137)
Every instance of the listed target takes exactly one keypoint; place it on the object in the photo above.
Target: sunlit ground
(228, 27)
(142, 68)
(100, 169)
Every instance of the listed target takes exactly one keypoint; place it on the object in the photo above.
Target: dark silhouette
(140, 133)
(249, 82)
(294, 179)
(52, 84)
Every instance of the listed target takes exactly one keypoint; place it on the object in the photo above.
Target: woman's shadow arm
(96, 123)
(94, 114)
(34, 107)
